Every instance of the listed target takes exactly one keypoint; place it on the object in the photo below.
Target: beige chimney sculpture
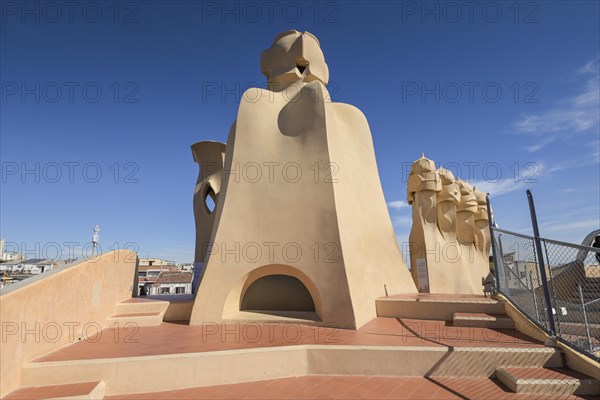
(449, 241)
(210, 157)
(301, 230)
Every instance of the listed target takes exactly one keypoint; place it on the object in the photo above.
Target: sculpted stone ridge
(423, 176)
(210, 157)
(481, 212)
(293, 58)
(450, 190)
(481, 221)
(468, 201)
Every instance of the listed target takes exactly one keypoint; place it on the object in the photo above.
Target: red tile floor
(351, 387)
(170, 338)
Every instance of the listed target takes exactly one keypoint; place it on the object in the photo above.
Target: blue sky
(504, 94)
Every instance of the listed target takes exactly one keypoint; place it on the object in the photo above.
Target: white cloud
(540, 145)
(583, 160)
(582, 227)
(590, 67)
(500, 187)
(535, 147)
(398, 204)
(577, 114)
(595, 145)
(402, 241)
(402, 221)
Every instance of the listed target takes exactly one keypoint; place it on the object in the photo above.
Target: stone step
(435, 306)
(72, 391)
(135, 319)
(547, 381)
(216, 367)
(141, 305)
(482, 320)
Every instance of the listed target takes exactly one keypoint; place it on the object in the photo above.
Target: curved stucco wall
(237, 293)
(329, 209)
(54, 309)
(277, 293)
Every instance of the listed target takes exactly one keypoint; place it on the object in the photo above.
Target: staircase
(530, 380)
(482, 320)
(518, 374)
(547, 381)
(138, 312)
(430, 306)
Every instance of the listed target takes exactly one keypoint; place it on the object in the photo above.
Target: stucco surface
(70, 303)
(301, 196)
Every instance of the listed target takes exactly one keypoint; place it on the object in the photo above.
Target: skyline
(506, 101)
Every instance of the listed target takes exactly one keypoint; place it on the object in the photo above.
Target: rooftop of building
(174, 277)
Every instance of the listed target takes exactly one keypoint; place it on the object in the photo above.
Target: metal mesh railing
(566, 303)
(574, 277)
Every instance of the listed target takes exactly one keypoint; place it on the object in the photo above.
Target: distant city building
(154, 262)
(32, 266)
(167, 280)
(521, 270)
(12, 256)
(158, 276)
(15, 271)
(150, 272)
(186, 266)
(15, 257)
(173, 283)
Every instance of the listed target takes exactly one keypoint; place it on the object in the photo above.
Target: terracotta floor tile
(332, 387)
(403, 392)
(180, 338)
(350, 396)
(383, 389)
(156, 340)
(444, 394)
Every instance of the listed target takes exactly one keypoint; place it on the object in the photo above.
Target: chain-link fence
(564, 297)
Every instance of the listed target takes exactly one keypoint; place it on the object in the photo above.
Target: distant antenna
(95, 238)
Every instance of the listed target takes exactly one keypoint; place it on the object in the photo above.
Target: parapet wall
(54, 309)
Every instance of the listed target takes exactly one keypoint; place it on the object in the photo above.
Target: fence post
(542, 267)
(556, 302)
(500, 252)
(494, 253)
(535, 303)
(585, 320)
